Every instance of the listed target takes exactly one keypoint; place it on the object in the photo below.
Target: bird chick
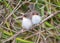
(36, 18)
(26, 22)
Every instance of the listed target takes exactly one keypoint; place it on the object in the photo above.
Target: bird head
(35, 13)
(23, 16)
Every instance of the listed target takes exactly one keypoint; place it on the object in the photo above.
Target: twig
(11, 12)
(1, 23)
(53, 4)
(14, 10)
(15, 35)
(14, 40)
(51, 15)
(8, 29)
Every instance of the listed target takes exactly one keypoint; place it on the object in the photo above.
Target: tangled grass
(48, 31)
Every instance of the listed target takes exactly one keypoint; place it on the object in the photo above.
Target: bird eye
(36, 13)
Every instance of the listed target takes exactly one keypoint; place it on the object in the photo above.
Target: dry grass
(48, 31)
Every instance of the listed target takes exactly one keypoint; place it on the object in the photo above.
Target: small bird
(36, 18)
(26, 22)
